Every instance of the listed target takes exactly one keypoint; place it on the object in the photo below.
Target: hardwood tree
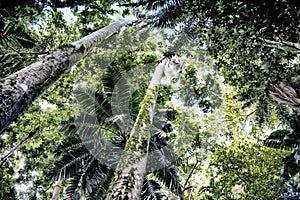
(18, 90)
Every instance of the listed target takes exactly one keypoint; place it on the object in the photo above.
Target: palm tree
(20, 89)
(79, 158)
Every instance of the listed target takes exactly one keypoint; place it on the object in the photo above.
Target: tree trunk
(129, 175)
(56, 191)
(284, 94)
(57, 188)
(20, 89)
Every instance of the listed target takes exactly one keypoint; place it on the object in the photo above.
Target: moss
(136, 147)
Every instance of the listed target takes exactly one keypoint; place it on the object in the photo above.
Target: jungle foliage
(240, 143)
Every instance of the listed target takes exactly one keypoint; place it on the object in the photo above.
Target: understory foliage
(288, 139)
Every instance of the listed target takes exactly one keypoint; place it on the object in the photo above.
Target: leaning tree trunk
(129, 174)
(285, 94)
(21, 88)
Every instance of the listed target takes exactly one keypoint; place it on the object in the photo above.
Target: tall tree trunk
(129, 175)
(21, 88)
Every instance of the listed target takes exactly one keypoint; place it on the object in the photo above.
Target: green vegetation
(222, 121)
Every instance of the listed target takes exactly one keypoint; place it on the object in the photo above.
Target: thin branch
(281, 48)
(291, 44)
(189, 176)
(22, 52)
(17, 146)
(281, 43)
(246, 116)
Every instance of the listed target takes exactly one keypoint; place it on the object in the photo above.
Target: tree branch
(189, 176)
(22, 52)
(281, 48)
(280, 43)
(246, 116)
(17, 146)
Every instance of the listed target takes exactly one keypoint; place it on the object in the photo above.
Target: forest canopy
(149, 99)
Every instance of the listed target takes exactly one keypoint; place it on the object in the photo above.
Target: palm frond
(161, 156)
(83, 153)
(15, 35)
(120, 101)
(170, 178)
(110, 79)
(151, 190)
(80, 166)
(15, 38)
(72, 190)
(290, 165)
(283, 139)
(72, 162)
(89, 179)
(95, 109)
(101, 180)
(167, 14)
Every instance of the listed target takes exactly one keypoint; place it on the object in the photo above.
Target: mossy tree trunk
(20, 89)
(129, 174)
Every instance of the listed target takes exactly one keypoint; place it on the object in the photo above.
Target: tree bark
(20, 89)
(57, 188)
(129, 175)
(284, 94)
